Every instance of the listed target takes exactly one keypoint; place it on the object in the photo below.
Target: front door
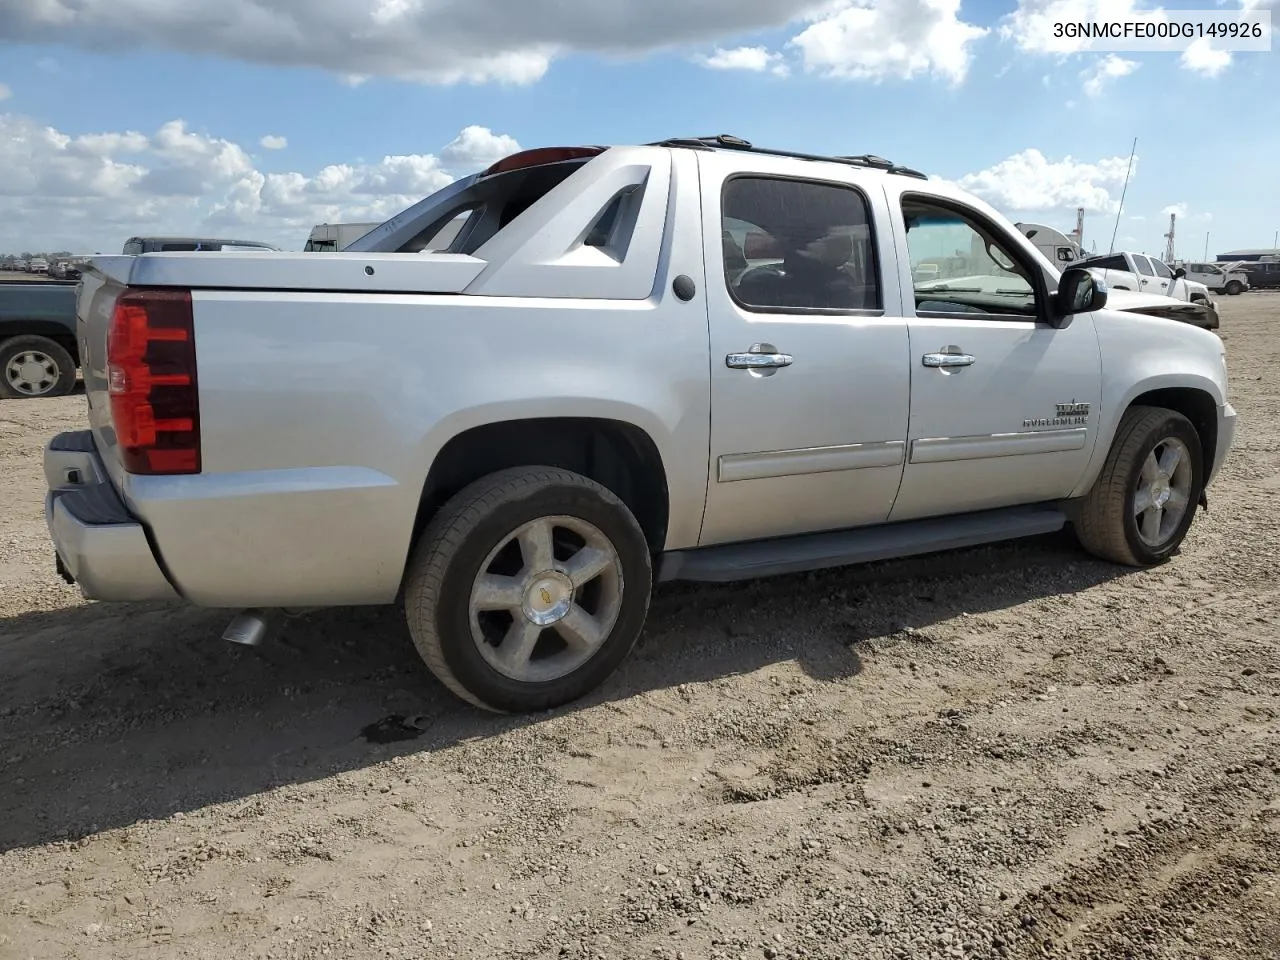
(1004, 407)
(809, 375)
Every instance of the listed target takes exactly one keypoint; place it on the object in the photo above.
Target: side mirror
(1079, 291)
(1179, 273)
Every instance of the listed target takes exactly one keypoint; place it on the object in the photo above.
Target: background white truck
(1224, 278)
(1143, 274)
(330, 237)
(598, 386)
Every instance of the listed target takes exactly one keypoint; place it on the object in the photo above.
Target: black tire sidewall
(452, 613)
(1234, 288)
(1172, 426)
(65, 362)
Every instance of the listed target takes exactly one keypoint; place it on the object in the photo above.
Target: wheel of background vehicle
(528, 589)
(1234, 288)
(32, 366)
(1142, 504)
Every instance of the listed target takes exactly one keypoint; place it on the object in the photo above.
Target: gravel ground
(1004, 752)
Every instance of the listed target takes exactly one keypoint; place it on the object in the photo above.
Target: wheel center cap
(31, 372)
(548, 598)
(1160, 492)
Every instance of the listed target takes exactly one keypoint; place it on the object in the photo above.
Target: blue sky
(128, 116)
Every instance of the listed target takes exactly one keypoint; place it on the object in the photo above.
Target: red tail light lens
(151, 378)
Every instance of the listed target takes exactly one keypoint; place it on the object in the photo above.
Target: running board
(885, 541)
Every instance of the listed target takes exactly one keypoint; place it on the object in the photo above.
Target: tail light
(151, 379)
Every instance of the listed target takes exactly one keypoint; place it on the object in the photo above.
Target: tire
(1235, 288)
(25, 358)
(1107, 525)
(475, 654)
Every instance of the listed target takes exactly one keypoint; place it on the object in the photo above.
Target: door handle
(948, 360)
(754, 361)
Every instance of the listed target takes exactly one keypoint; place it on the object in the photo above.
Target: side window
(1143, 265)
(1110, 263)
(133, 248)
(798, 245)
(1162, 268)
(961, 265)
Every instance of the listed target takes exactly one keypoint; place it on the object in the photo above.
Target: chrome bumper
(99, 544)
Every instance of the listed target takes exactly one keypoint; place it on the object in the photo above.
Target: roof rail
(727, 141)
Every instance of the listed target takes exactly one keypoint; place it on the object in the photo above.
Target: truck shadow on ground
(113, 714)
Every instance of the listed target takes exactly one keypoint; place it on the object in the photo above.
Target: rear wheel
(1142, 505)
(32, 366)
(528, 589)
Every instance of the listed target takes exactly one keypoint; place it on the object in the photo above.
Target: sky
(257, 119)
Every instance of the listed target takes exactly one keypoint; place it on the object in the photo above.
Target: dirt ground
(1005, 752)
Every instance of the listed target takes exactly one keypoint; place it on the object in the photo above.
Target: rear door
(809, 376)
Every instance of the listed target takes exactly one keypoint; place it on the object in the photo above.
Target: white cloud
(91, 192)
(1104, 71)
(1177, 208)
(1137, 217)
(476, 148)
(754, 59)
(1203, 58)
(1028, 182)
(435, 41)
(888, 39)
(5, 92)
(273, 142)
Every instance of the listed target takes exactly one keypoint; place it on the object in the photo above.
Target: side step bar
(885, 541)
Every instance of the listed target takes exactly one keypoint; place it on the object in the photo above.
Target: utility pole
(1168, 250)
(1206, 244)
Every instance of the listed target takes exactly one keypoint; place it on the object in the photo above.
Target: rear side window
(798, 245)
(1109, 263)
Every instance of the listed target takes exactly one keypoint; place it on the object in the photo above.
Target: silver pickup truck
(691, 360)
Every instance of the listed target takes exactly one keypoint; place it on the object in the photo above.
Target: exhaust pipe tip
(248, 628)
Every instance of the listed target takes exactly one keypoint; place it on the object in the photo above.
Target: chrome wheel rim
(546, 598)
(31, 372)
(1163, 495)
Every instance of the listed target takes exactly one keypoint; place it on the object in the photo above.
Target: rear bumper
(99, 544)
(1226, 435)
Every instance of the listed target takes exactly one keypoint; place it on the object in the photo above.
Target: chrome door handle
(948, 360)
(750, 361)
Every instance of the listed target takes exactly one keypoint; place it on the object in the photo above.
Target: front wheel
(528, 589)
(1141, 506)
(1235, 288)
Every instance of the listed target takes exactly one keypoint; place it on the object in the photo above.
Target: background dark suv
(1263, 274)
